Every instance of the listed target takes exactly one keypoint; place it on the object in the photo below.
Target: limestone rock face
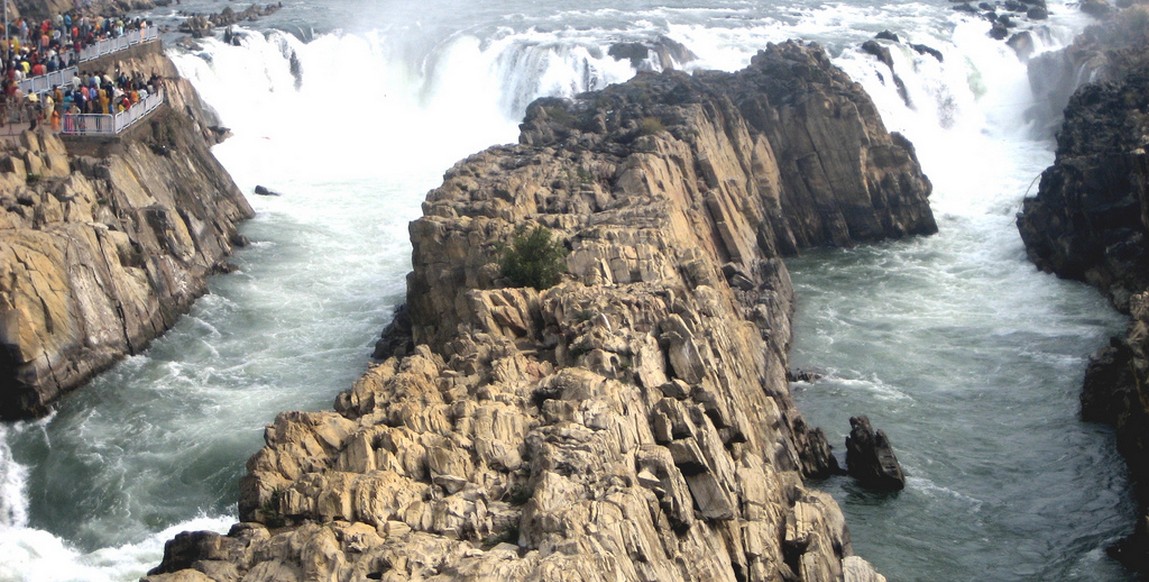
(633, 422)
(103, 245)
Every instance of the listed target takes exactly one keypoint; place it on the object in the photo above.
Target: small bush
(534, 259)
(650, 126)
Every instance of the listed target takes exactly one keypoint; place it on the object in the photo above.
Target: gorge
(645, 131)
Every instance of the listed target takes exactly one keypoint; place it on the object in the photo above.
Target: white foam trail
(13, 484)
(33, 555)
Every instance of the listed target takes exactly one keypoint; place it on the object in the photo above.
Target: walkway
(109, 124)
(42, 83)
(90, 124)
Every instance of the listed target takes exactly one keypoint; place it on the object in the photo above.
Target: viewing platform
(109, 124)
(41, 83)
(87, 124)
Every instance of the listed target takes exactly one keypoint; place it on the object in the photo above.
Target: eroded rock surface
(633, 422)
(1090, 221)
(104, 243)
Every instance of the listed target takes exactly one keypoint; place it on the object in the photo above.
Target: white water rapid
(384, 97)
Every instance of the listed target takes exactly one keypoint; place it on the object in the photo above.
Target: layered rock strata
(1090, 221)
(104, 243)
(633, 422)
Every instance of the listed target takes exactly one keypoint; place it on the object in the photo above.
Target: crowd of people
(39, 48)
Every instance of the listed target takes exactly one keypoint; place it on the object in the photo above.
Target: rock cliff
(1090, 221)
(105, 242)
(634, 421)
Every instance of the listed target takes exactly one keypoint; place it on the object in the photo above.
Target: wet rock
(1096, 8)
(662, 54)
(870, 458)
(879, 51)
(999, 30)
(928, 50)
(887, 35)
(396, 337)
(264, 191)
(1022, 44)
(1085, 222)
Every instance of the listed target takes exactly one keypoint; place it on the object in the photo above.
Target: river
(967, 356)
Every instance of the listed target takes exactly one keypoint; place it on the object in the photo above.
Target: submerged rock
(632, 422)
(870, 458)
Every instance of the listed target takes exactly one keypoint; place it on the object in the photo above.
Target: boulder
(887, 35)
(870, 458)
(928, 50)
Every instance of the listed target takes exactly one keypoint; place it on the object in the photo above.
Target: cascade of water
(353, 127)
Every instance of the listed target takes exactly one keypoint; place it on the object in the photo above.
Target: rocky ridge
(634, 421)
(105, 242)
(1090, 221)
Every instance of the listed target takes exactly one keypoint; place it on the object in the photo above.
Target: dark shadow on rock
(870, 458)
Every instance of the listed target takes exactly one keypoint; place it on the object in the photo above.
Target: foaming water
(353, 126)
(960, 350)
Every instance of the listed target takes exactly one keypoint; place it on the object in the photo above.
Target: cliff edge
(104, 242)
(632, 422)
(1090, 221)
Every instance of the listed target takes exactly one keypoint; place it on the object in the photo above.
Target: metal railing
(41, 83)
(109, 124)
(111, 45)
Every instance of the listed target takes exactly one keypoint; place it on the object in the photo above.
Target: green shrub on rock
(535, 258)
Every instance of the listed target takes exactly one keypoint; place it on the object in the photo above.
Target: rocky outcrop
(103, 244)
(1114, 393)
(1090, 221)
(870, 458)
(1102, 52)
(201, 25)
(634, 421)
(1089, 218)
(40, 9)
